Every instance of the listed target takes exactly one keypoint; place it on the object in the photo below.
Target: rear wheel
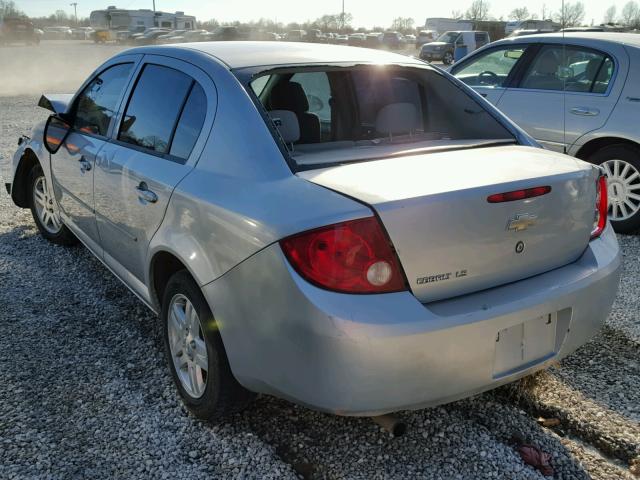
(195, 353)
(447, 59)
(622, 164)
(45, 210)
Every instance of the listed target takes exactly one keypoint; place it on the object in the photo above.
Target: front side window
(98, 102)
(571, 69)
(490, 69)
(448, 37)
(154, 107)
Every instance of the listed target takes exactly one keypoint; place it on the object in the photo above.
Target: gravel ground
(86, 393)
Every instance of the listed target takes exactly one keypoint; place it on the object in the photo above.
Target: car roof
(244, 54)
(631, 39)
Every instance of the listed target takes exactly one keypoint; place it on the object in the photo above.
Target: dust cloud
(51, 67)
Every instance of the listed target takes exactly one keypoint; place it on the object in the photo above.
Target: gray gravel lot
(85, 392)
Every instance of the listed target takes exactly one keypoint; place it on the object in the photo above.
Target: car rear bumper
(371, 354)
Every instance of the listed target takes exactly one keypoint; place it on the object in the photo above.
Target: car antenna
(564, 82)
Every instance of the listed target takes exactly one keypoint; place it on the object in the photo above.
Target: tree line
(571, 15)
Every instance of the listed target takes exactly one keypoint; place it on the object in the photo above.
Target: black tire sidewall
(64, 235)
(208, 405)
(631, 155)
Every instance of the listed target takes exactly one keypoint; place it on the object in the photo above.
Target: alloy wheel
(46, 207)
(187, 345)
(623, 189)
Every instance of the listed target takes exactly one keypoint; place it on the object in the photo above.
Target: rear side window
(154, 107)
(572, 69)
(190, 123)
(98, 102)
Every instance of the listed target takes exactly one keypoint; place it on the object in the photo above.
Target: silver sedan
(577, 93)
(346, 228)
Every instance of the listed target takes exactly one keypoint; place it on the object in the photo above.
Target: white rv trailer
(442, 25)
(530, 25)
(119, 19)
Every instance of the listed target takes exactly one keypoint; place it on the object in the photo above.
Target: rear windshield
(329, 115)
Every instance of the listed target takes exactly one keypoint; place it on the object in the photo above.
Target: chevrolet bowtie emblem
(521, 222)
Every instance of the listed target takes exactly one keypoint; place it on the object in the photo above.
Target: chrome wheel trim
(45, 206)
(623, 189)
(187, 346)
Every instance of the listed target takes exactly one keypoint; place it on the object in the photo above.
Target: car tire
(196, 355)
(622, 164)
(447, 58)
(45, 210)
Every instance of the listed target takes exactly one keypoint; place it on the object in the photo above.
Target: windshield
(449, 37)
(356, 113)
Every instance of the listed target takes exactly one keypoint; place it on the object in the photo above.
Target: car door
(72, 168)
(564, 92)
(159, 138)
(490, 71)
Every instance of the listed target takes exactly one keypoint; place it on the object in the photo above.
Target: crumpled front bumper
(371, 354)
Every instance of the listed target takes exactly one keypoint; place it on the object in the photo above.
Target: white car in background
(577, 93)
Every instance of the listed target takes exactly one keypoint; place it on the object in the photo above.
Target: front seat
(290, 96)
(545, 75)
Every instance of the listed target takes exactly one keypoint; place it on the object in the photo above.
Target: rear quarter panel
(242, 195)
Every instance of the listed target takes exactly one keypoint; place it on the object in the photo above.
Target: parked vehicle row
(19, 30)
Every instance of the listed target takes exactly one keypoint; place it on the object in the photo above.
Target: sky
(366, 13)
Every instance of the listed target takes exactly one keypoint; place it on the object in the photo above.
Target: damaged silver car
(349, 229)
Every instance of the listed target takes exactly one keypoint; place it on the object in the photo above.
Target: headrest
(397, 118)
(548, 64)
(287, 124)
(289, 96)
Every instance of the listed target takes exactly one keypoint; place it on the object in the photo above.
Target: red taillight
(602, 207)
(349, 257)
(518, 194)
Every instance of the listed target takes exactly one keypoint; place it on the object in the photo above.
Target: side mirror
(56, 131)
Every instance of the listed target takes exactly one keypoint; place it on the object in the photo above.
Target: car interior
(571, 70)
(360, 108)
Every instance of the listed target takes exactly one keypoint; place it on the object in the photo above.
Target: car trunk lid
(450, 239)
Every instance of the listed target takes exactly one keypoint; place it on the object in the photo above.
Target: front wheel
(622, 165)
(447, 59)
(195, 353)
(45, 210)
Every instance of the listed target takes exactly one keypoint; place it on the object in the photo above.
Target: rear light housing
(347, 257)
(602, 207)
(518, 194)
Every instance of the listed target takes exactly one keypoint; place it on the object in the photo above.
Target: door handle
(145, 194)
(585, 111)
(85, 165)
